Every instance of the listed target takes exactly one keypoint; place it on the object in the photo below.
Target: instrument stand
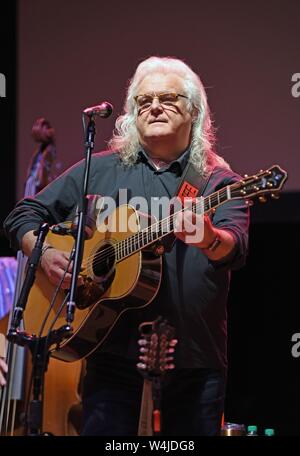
(39, 348)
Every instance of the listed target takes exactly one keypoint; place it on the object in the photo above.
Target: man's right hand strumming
(54, 262)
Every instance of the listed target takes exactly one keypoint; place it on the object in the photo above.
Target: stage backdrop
(73, 54)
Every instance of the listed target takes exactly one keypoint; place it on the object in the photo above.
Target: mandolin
(157, 358)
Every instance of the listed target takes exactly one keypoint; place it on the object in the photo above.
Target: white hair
(125, 138)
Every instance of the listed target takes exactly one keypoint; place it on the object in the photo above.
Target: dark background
(73, 54)
(63, 57)
(8, 40)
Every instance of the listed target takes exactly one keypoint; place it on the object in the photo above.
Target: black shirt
(194, 289)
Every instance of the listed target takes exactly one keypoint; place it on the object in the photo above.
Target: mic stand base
(39, 348)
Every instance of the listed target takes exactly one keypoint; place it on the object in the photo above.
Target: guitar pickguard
(91, 291)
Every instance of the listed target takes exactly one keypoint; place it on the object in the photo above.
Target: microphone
(103, 110)
(65, 230)
(93, 206)
(60, 229)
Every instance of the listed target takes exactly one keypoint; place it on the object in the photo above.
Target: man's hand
(197, 230)
(194, 229)
(54, 262)
(3, 371)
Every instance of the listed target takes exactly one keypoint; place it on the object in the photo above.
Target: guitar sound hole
(104, 260)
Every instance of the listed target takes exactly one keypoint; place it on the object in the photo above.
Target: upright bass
(61, 382)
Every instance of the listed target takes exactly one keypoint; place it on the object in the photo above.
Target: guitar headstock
(270, 181)
(157, 347)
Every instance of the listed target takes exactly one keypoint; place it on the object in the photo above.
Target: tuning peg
(249, 203)
(142, 342)
(173, 342)
(275, 196)
(144, 358)
(170, 366)
(262, 199)
(246, 175)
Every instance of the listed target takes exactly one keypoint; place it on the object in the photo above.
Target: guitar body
(110, 288)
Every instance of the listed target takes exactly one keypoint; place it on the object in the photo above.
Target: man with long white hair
(165, 127)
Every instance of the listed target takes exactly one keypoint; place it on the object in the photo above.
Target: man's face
(166, 123)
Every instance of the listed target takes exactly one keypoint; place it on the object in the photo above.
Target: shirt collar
(180, 162)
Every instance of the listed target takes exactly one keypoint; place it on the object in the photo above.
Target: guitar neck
(164, 227)
(262, 183)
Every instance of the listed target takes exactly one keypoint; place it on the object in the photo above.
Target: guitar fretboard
(162, 228)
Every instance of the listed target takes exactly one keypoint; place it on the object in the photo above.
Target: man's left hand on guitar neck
(198, 230)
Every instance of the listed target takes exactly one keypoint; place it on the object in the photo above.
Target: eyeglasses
(145, 100)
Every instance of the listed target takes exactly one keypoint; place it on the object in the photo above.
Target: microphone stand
(39, 349)
(38, 346)
(33, 263)
(82, 214)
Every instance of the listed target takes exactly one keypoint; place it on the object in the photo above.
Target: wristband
(214, 244)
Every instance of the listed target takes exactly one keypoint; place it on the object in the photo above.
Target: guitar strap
(191, 184)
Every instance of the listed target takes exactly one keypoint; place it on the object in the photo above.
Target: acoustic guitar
(122, 269)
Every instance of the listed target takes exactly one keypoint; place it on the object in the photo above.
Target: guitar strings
(137, 237)
(109, 252)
